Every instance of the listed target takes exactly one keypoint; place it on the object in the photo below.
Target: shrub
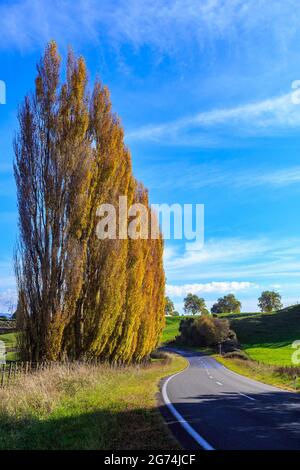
(238, 354)
(288, 371)
(159, 355)
(205, 331)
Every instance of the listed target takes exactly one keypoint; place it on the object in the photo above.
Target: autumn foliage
(79, 296)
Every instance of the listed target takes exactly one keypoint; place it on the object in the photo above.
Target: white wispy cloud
(7, 278)
(235, 258)
(280, 178)
(208, 288)
(183, 28)
(259, 118)
(166, 26)
(219, 250)
(213, 174)
(8, 301)
(8, 292)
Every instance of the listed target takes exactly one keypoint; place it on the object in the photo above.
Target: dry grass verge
(86, 407)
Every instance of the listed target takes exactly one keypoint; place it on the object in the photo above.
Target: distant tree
(269, 301)
(227, 304)
(194, 304)
(175, 313)
(169, 306)
(216, 308)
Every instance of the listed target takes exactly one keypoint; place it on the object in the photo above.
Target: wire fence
(11, 369)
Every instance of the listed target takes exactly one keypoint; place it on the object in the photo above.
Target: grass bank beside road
(269, 374)
(87, 408)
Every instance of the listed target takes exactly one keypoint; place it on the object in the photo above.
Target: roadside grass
(268, 374)
(87, 407)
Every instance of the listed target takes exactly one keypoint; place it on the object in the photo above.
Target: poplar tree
(80, 296)
(52, 170)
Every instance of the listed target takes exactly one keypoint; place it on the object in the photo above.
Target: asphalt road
(219, 409)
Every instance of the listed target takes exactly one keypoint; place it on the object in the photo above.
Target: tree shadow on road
(234, 421)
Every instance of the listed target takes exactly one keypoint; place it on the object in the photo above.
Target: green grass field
(87, 408)
(171, 330)
(266, 338)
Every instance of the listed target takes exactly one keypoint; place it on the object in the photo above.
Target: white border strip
(191, 431)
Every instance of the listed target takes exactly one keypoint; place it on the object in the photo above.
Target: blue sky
(203, 89)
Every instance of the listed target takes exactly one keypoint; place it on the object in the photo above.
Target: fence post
(9, 372)
(2, 375)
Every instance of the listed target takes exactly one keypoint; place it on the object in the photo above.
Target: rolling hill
(266, 338)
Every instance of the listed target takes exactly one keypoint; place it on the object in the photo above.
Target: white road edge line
(246, 396)
(191, 431)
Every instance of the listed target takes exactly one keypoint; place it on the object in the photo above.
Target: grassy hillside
(265, 337)
(87, 408)
(268, 337)
(171, 329)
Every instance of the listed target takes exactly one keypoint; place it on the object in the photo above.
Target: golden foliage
(78, 295)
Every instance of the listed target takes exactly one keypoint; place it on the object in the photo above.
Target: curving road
(219, 409)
